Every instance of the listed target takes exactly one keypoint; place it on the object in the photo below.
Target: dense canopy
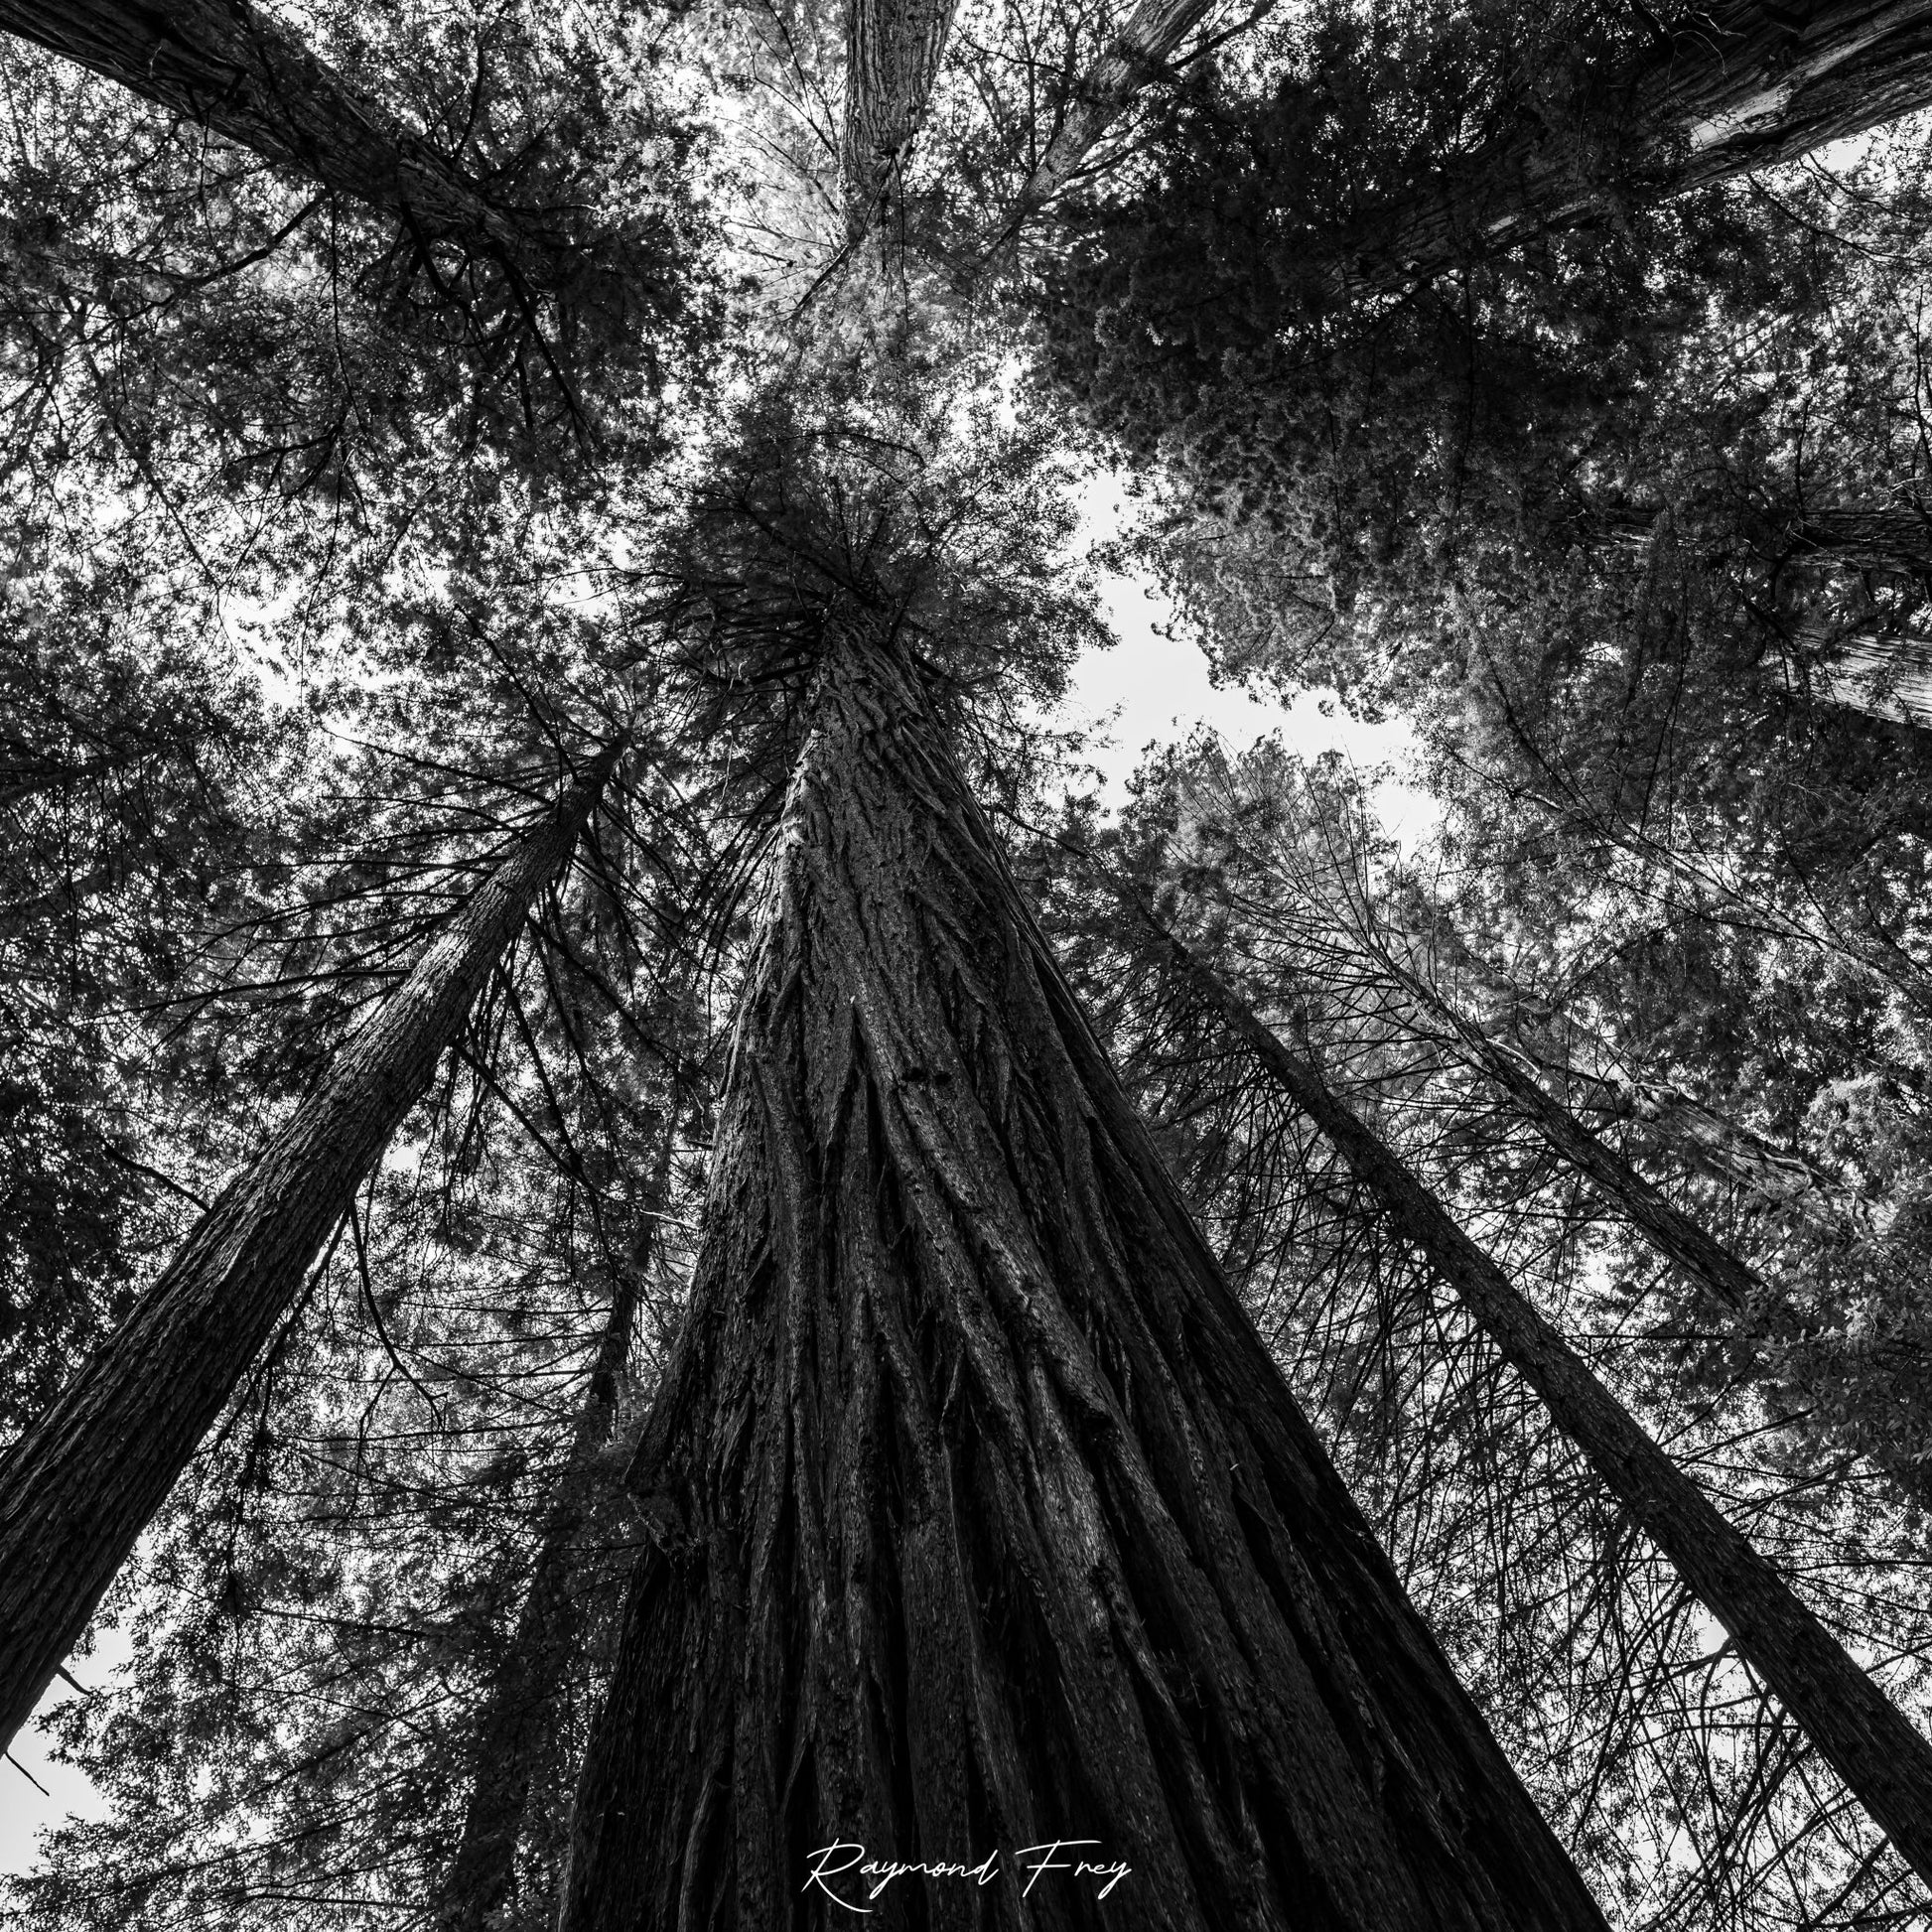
(652, 1242)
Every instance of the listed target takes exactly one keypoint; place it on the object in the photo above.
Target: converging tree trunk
(1742, 87)
(982, 1521)
(238, 72)
(1672, 1232)
(77, 1490)
(1725, 1150)
(1887, 675)
(1898, 539)
(893, 49)
(1870, 1743)
(1139, 52)
(513, 1733)
(1511, 1053)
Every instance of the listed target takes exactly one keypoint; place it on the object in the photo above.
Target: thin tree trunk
(515, 1726)
(1883, 1759)
(77, 1490)
(893, 49)
(1727, 1152)
(1139, 52)
(1742, 87)
(238, 72)
(980, 1516)
(1891, 1372)
(1674, 1120)
(1667, 1227)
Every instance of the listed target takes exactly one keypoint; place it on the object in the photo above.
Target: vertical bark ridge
(80, 1487)
(981, 1517)
(515, 1725)
(1867, 1740)
(893, 49)
(231, 68)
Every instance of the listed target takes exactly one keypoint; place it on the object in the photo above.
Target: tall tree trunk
(1678, 1122)
(1726, 1150)
(515, 1725)
(981, 1517)
(1884, 1761)
(230, 67)
(1666, 1226)
(77, 1490)
(1762, 1312)
(1887, 675)
(1742, 87)
(1898, 539)
(893, 49)
(1139, 52)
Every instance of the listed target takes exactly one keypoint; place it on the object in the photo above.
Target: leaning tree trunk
(1742, 87)
(1885, 674)
(77, 1490)
(232, 69)
(1138, 53)
(1670, 1119)
(1729, 1151)
(1893, 1374)
(1883, 1759)
(513, 1733)
(1897, 539)
(981, 1518)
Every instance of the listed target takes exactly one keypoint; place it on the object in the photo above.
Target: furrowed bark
(1897, 539)
(1866, 1740)
(514, 1726)
(77, 1490)
(893, 51)
(235, 71)
(1742, 87)
(1886, 674)
(1729, 1151)
(1138, 53)
(1148, 39)
(982, 1517)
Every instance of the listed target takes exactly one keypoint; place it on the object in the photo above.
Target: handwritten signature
(861, 1871)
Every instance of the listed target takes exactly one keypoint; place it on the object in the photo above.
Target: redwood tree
(1882, 1758)
(980, 1516)
(240, 72)
(78, 1487)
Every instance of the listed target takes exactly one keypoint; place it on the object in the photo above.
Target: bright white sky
(22, 1809)
(1152, 690)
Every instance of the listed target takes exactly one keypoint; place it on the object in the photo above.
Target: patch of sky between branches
(1154, 688)
(34, 1791)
